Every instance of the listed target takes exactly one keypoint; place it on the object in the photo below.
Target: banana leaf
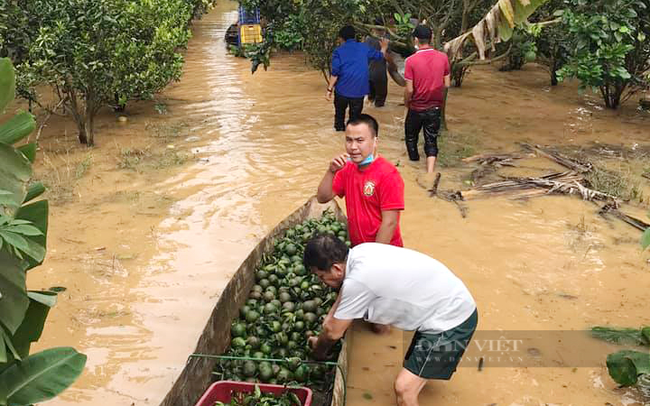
(42, 376)
(7, 83)
(17, 128)
(14, 300)
(15, 172)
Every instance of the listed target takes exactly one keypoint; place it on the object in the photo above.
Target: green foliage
(609, 51)
(24, 379)
(99, 52)
(523, 49)
(288, 35)
(403, 24)
(39, 375)
(259, 54)
(630, 336)
(626, 366)
(645, 239)
(553, 47)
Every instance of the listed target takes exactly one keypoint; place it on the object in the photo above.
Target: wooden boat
(215, 339)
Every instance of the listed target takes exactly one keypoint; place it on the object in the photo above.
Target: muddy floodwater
(147, 228)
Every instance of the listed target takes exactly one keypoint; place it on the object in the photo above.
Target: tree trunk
(437, 37)
(612, 95)
(89, 122)
(465, 19)
(73, 109)
(554, 69)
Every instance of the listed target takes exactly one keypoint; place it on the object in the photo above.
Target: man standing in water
(399, 287)
(372, 186)
(349, 79)
(427, 77)
(378, 77)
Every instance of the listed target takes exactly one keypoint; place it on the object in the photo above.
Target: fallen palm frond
(492, 158)
(612, 208)
(497, 25)
(563, 160)
(556, 183)
(489, 164)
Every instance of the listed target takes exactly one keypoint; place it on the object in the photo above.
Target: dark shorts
(436, 356)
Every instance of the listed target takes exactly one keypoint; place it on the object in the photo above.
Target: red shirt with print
(378, 187)
(427, 68)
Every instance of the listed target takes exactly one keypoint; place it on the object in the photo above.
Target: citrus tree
(610, 51)
(25, 378)
(95, 53)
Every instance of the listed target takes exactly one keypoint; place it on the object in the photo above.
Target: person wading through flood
(377, 67)
(427, 77)
(400, 287)
(350, 77)
(372, 186)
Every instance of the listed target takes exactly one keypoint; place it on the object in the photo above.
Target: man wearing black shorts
(396, 286)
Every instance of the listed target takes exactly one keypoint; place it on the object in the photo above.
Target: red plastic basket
(221, 391)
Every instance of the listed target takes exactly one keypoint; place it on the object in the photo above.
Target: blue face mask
(367, 161)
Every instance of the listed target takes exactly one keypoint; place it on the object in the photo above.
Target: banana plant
(25, 378)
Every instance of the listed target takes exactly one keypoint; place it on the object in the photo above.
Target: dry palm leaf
(478, 32)
(499, 21)
(491, 24)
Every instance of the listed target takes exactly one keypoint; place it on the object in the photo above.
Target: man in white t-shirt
(396, 286)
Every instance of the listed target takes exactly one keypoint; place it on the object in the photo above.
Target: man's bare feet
(380, 328)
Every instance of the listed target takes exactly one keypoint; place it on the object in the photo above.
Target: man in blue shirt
(350, 75)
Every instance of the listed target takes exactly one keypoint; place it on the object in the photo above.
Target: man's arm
(330, 87)
(389, 222)
(447, 80)
(333, 330)
(408, 92)
(383, 51)
(325, 191)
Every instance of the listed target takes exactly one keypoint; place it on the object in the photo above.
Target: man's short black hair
(323, 251)
(422, 33)
(347, 32)
(368, 120)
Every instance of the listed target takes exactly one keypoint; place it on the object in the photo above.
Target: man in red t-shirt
(427, 78)
(372, 186)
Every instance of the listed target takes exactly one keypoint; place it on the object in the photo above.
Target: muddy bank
(145, 236)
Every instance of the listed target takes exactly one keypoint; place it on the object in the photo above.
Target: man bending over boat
(399, 287)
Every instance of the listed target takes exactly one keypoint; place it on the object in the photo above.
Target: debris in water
(367, 396)
(192, 138)
(480, 364)
(122, 119)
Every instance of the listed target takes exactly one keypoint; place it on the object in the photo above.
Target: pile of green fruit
(257, 398)
(285, 307)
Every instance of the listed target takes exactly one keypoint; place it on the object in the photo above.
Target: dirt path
(146, 228)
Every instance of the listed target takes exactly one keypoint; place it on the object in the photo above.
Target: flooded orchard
(147, 227)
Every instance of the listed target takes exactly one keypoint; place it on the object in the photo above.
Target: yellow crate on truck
(250, 34)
